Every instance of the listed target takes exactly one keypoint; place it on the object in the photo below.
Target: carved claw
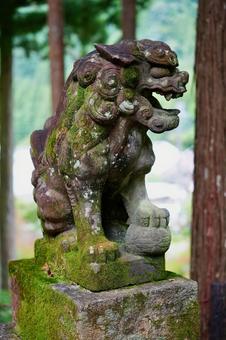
(148, 215)
(159, 219)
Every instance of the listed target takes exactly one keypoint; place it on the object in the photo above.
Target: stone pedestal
(46, 308)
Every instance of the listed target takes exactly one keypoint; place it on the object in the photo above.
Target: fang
(168, 96)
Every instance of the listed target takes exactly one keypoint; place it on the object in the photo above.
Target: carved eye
(160, 52)
(173, 60)
(110, 81)
(159, 72)
(103, 112)
(108, 84)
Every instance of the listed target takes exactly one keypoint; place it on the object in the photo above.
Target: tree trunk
(129, 19)
(208, 265)
(56, 49)
(6, 149)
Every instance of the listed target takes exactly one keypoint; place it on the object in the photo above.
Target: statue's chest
(135, 156)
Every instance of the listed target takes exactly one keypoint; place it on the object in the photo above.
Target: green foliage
(28, 212)
(5, 306)
(31, 94)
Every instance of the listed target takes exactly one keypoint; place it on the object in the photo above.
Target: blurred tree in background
(209, 200)
(56, 48)
(128, 19)
(6, 150)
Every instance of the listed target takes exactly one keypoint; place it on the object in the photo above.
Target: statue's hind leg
(54, 208)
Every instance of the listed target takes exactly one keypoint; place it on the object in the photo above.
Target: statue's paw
(159, 218)
(147, 241)
(103, 252)
(149, 215)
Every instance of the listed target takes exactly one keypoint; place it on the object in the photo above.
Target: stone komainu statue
(91, 157)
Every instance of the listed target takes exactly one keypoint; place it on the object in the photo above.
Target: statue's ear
(122, 54)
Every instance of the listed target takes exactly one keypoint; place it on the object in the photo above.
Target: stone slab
(164, 310)
(46, 308)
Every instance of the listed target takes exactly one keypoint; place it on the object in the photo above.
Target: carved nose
(184, 77)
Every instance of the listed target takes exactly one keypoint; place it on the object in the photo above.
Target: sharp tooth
(168, 96)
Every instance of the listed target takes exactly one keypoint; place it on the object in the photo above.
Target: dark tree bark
(6, 150)
(129, 19)
(209, 201)
(56, 49)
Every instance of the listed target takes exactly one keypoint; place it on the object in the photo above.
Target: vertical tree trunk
(129, 19)
(56, 49)
(209, 201)
(6, 150)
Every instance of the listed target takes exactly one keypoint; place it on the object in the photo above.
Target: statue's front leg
(148, 233)
(140, 209)
(85, 190)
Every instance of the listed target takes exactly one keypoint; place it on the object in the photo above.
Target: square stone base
(45, 308)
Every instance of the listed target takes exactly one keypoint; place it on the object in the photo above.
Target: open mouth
(148, 94)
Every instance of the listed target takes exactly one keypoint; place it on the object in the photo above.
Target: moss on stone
(45, 312)
(84, 133)
(49, 249)
(41, 313)
(186, 325)
(96, 265)
(50, 146)
(129, 94)
(130, 76)
(74, 100)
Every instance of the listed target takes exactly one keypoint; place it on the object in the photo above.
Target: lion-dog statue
(92, 156)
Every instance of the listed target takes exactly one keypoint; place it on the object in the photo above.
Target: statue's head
(122, 79)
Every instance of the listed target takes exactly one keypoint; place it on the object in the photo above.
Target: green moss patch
(41, 312)
(97, 265)
(186, 326)
(130, 76)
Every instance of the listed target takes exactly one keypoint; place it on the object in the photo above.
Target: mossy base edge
(105, 271)
(47, 308)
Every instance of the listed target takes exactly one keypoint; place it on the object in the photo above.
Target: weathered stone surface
(164, 310)
(7, 332)
(46, 308)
